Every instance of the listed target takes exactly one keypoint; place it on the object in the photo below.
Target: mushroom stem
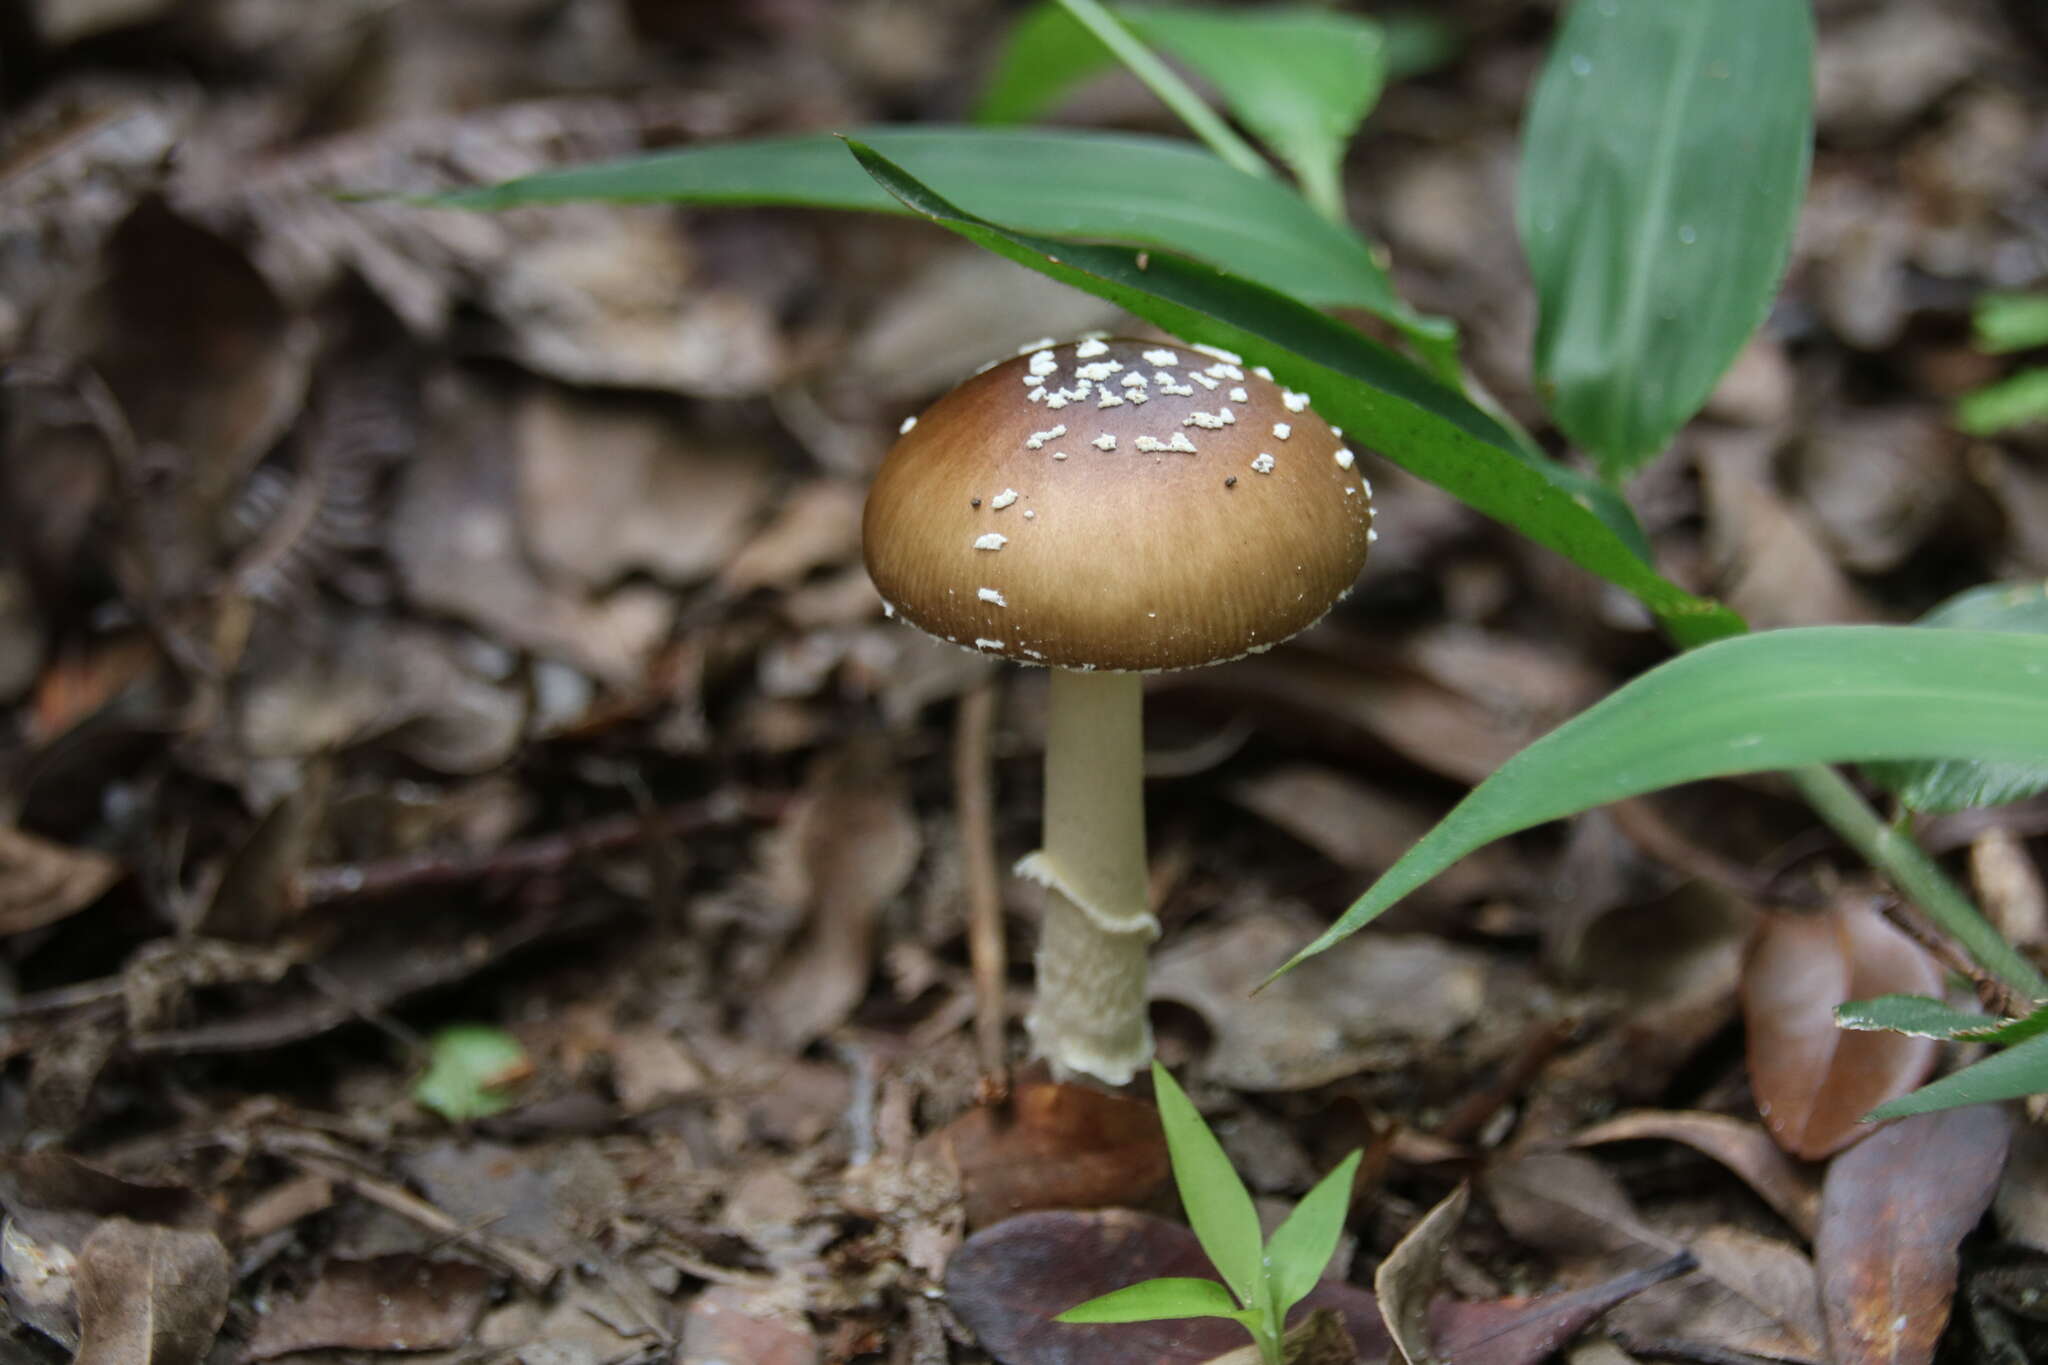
(1089, 1015)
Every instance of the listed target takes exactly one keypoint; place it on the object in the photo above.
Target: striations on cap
(1137, 554)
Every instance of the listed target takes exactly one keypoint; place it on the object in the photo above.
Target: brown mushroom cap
(1117, 504)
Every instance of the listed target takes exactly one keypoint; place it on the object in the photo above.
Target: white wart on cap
(1117, 504)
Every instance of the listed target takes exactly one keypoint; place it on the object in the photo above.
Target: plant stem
(1322, 185)
(1089, 1014)
(1916, 875)
(1171, 89)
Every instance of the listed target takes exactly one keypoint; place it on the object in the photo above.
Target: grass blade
(1219, 1208)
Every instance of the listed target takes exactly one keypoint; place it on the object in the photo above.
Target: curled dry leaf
(392, 1303)
(1892, 1213)
(149, 1294)
(1407, 1279)
(1813, 1081)
(1055, 1146)
(42, 882)
(1743, 1148)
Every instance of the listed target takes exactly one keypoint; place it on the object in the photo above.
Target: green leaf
(1300, 1248)
(2009, 1075)
(1944, 785)
(1154, 192)
(1218, 1207)
(1663, 165)
(1927, 1018)
(1778, 699)
(1153, 1300)
(2011, 403)
(2011, 322)
(471, 1071)
(1381, 399)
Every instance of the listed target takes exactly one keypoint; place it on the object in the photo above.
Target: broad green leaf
(1300, 1248)
(1153, 1300)
(1381, 399)
(1154, 192)
(1663, 165)
(1048, 53)
(471, 1072)
(2009, 1075)
(1927, 1018)
(2011, 322)
(1778, 699)
(2011, 403)
(1219, 1208)
(1944, 785)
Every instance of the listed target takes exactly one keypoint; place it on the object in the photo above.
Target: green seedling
(2006, 323)
(471, 1072)
(1262, 1278)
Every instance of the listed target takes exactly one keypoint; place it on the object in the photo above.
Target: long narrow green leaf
(1664, 163)
(1154, 192)
(1154, 1300)
(2011, 322)
(1219, 1208)
(2018, 401)
(1922, 1017)
(1938, 786)
(1780, 699)
(1381, 399)
(1300, 1248)
(2009, 1075)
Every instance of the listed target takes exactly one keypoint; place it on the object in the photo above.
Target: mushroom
(1109, 508)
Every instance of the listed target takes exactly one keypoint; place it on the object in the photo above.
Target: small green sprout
(471, 1071)
(1260, 1281)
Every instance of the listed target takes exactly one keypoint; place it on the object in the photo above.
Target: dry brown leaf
(1771, 565)
(851, 843)
(1771, 1276)
(1523, 1331)
(1055, 1146)
(150, 1295)
(2022, 1203)
(1743, 1148)
(1892, 1213)
(1370, 1001)
(392, 1303)
(607, 487)
(1569, 1206)
(818, 525)
(1407, 1280)
(744, 1323)
(2009, 887)
(42, 882)
(1814, 1082)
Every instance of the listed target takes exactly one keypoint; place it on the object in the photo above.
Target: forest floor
(413, 620)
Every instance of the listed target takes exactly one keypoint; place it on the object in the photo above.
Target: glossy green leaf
(1382, 400)
(1154, 192)
(2007, 405)
(1218, 1206)
(2010, 1075)
(1664, 160)
(1944, 785)
(2011, 322)
(1923, 1017)
(1153, 1300)
(1778, 699)
(1301, 1247)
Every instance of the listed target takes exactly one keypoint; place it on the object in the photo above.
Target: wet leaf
(1407, 1280)
(471, 1070)
(1055, 1146)
(392, 1303)
(150, 1295)
(1892, 1213)
(1814, 1082)
(1008, 1282)
(42, 882)
(1743, 1148)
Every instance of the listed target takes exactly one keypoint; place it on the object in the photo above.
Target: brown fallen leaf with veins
(150, 1295)
(1055, 1146)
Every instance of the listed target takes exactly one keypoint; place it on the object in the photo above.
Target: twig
(972, 786)
(543, 854)
(1992, 993)
(530, 1270)
(1469, 1117)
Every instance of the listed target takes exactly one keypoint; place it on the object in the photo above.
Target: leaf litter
(413, 620)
